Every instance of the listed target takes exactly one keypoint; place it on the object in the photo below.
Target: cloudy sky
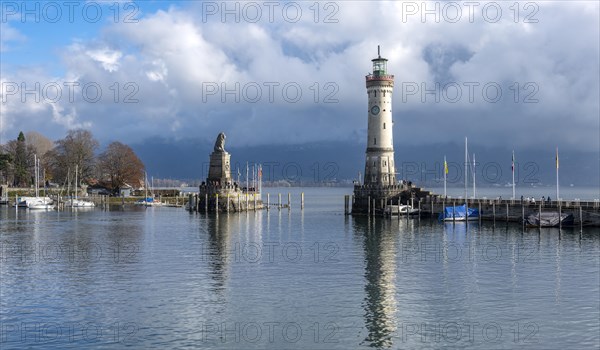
(524, 75)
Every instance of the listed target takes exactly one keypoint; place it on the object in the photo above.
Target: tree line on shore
(113, 168)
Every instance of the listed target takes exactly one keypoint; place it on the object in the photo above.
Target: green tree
(21, 162)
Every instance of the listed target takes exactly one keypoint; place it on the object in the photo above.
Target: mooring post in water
(254, 200)
(507, 212)
(268, 201)
(302, 200)
(217, 203)
(540, 217)
(479, 212)
(374, 206)
(494, 211)
(346, 204)
(580, 218)
(368, 205)
(431, 206)
(419, 213)
(523, 215)
(289, 201)
(190, 207)
(206, 203)
(279, 201)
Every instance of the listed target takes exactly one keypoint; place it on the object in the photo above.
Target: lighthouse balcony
(380, 77)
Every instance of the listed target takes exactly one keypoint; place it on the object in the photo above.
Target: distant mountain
(339, 161)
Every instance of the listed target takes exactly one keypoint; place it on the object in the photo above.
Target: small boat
(76, 202)
(22, 201)
(36, 202)
(395, 210)
(148, 202)
(41, 203)
(459, 213)
(549, 219)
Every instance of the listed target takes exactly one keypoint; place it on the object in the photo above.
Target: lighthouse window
(375, 140)
(384, 163)
(384, 123)
(374, 93)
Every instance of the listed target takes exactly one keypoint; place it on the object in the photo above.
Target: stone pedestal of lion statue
(219, 193)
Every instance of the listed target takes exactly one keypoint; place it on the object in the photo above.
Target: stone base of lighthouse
(372, 199)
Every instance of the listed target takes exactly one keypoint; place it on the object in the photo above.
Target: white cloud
(9, 35)
(171, 56)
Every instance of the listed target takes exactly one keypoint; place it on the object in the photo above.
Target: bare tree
(120, 165)
(78, 148)
(40, 143)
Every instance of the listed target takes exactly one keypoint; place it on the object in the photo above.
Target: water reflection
(217, 251)
(379, 244)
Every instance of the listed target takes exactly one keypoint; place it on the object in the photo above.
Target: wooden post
(302, 200)
(279, 201)
(346, 204)
(419, 213)
(507, 212)
(369, 205)
(268, 201)
(373, 213)
(540, 217)
(523, 215)
(431, 207)
(206, 203)
(580, 218)
(217, 203)
(190, 203)
(289, 201)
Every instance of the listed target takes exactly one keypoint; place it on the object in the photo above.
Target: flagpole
(445, 172)
(513, 174)
(557, 191)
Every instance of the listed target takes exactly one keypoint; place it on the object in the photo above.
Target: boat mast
(76, 173)
(513, 174)
(557, 190)
(35, 171)
(474, 173)
(68, 182)
(466, 173)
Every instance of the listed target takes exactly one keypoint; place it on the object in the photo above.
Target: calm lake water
(161, 278)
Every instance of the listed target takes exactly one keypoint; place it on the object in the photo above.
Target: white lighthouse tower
(380, 187)
(379, 165)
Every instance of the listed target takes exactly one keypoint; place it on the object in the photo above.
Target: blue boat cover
(459, 212)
